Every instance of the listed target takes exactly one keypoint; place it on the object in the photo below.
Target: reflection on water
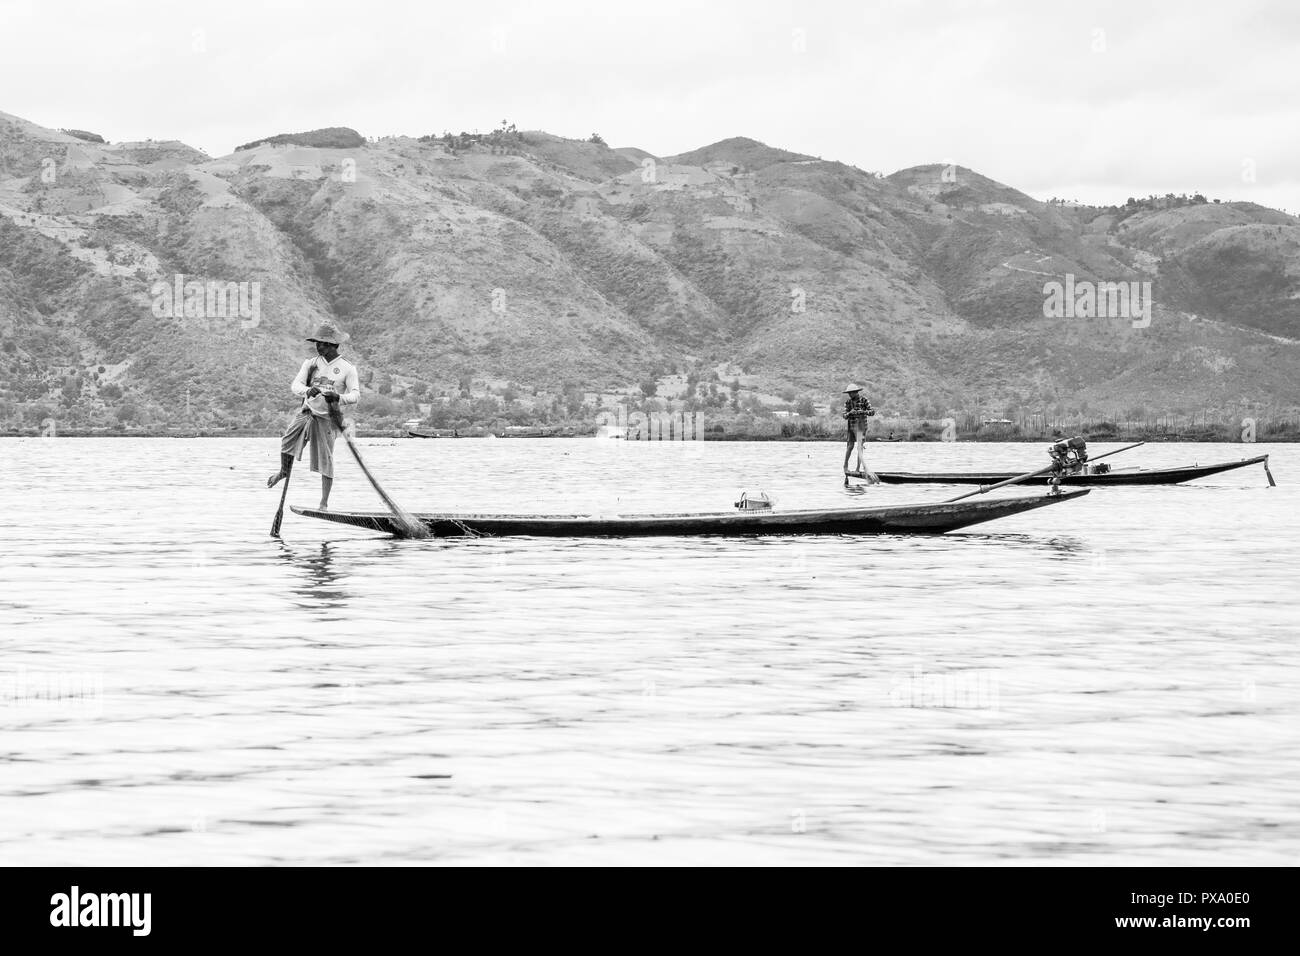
(1108, 681)
(317, 578)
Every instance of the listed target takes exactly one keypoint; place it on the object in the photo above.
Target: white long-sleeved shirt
(340, 375)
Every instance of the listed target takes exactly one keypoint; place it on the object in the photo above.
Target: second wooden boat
(1115, 476)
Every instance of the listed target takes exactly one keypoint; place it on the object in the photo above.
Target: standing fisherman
(323, 383)
(857, 409)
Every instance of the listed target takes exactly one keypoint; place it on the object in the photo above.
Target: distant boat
(1108, 476)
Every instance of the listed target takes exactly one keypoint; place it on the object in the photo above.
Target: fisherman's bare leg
(286, 466)
(325, 485)
(848, 451)
(290, 445)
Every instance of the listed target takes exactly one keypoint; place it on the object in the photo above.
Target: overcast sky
(1094, 101)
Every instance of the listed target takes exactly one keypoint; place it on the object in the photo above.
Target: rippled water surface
(1110, 681)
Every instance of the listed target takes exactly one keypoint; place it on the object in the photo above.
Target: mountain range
(526, 262)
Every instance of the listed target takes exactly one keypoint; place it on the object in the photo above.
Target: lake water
(1110, 681)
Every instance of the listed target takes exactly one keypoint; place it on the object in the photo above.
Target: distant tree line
(82, 134)
(333, 137)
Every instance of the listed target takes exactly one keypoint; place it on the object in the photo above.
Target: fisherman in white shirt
(323, 383)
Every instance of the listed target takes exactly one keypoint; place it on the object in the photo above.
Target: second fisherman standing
(857, 409)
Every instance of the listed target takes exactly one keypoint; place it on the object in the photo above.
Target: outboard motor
(1069, 456)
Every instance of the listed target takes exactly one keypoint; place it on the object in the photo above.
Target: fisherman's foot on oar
(286, 466)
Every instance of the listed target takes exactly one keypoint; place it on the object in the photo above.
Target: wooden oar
(1271, 482)
(1035, 474)
(408, 525)
(279, 513)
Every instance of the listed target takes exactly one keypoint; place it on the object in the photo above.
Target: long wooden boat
(1116, 476)
(888, 519)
